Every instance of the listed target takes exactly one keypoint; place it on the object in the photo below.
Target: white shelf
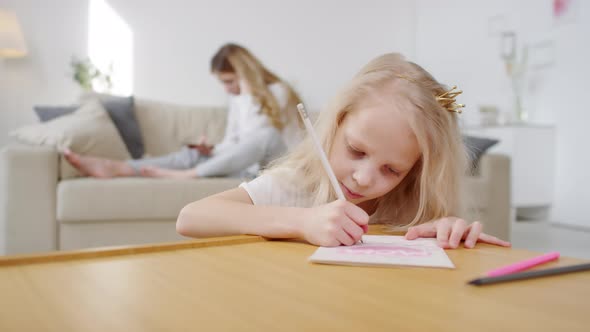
(532, 152)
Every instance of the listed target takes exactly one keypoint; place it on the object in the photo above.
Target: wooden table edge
(61, 256)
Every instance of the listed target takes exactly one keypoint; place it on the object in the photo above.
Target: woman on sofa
(262, 124)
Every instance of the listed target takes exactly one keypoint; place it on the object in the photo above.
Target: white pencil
(321, 153)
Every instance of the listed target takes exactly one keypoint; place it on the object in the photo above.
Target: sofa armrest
(28, 183)
(494, 173)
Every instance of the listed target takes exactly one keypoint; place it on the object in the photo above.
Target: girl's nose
(363, 176)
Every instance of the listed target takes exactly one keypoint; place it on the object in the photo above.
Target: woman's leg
(184, 159)
(98, 167)
(107, 168)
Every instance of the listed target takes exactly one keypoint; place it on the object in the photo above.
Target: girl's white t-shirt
(268, 190)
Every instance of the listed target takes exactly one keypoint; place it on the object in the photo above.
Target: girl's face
(374, 149)
(230, 82)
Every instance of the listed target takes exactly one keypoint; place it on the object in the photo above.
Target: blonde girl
(262, 125)
(392, 139)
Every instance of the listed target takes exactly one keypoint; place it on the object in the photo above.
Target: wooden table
(246, 283)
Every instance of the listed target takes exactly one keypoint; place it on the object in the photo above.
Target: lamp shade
(12, 43)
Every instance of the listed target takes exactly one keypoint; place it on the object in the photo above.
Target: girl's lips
(350, 194)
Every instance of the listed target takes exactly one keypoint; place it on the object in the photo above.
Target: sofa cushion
(91, 200)
(89, 131)
(166, 127)
(120, 109)
(46, 113)
(122, 112)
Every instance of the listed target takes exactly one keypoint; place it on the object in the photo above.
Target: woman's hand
(202, 146)
(333, 224)
(450, 231)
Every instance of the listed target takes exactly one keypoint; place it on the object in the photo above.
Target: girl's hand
(335, 223)
(450, 231)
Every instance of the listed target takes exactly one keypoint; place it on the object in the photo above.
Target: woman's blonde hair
(233, 58)
(431, 189)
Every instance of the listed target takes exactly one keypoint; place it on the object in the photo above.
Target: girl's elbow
(184, 223)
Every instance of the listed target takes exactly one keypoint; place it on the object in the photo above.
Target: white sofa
(40, 211)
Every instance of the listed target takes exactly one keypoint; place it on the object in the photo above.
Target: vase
(520, 113)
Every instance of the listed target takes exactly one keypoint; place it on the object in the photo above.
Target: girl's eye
(354, 151)
(391, 170)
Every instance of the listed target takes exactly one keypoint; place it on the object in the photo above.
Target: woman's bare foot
(98, 167)
(156, 172)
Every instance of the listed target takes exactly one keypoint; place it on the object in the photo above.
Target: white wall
(317, 45)
(453, 41)
(567, 96)
(53, 31)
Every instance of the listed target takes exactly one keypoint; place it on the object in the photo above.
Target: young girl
(262, 124)
(393, 142)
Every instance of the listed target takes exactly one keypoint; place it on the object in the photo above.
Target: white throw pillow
(88, 131)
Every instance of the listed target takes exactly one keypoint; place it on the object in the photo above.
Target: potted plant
(89, 77)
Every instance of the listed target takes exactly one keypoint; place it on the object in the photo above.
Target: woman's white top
(250, 140)
(244, 118)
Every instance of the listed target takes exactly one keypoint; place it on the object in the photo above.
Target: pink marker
(523, 265)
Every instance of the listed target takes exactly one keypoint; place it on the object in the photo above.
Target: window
(110, 47)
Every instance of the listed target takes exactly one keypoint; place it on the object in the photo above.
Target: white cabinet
(532, 152)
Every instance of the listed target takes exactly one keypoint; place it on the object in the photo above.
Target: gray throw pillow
(46, 113)
(476, 147)
(120, 110)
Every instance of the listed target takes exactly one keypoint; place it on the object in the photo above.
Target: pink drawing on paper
(385, 250)
(381, 250)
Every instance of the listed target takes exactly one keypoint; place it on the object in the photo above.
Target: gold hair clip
(447, 100)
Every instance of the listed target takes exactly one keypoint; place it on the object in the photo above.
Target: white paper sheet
(385, 250)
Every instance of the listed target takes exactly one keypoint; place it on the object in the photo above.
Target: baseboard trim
(570, 226)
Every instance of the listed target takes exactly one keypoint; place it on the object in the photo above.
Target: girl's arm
(232, 212)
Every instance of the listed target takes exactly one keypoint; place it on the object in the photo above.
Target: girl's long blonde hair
(233, 58)
(432, 188)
